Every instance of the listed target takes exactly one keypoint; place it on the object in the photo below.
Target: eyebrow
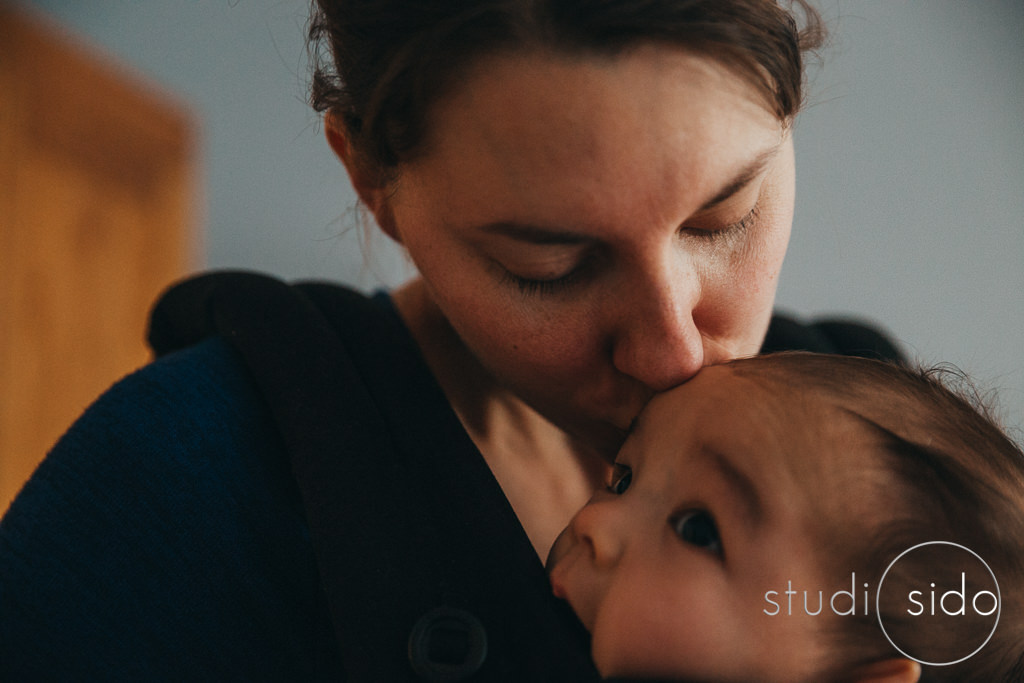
(534, 234)
(742, 485)
(743, 178)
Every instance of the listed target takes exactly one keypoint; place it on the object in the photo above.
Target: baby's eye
(698, 528)
(622, 477)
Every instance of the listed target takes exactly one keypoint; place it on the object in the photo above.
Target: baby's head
(755, 507)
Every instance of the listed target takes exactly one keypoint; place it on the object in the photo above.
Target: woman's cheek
(541, 347)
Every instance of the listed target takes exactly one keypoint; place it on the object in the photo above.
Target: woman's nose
(598, 527)
(657, 340)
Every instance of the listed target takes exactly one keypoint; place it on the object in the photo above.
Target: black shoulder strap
(404, 534)
(845, 336)
(436, 591)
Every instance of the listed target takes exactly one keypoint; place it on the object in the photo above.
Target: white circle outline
(878, 598)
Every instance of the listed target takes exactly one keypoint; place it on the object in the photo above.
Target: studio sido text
(846, 603)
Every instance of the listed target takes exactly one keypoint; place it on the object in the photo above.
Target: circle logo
(938, 603)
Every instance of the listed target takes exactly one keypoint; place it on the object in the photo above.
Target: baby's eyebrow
(746, 492)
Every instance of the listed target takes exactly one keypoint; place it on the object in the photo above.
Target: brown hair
(380, 64)
(950, 474)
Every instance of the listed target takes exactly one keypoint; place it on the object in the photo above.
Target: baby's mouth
(558, 550)
(557, 588)
(559, 567)
(560, 588)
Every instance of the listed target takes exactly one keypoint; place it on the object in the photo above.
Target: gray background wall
(910, 206)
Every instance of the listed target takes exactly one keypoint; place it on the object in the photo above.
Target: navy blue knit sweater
(162, 539)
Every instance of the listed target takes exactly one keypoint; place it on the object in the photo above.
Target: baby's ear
(895, 670)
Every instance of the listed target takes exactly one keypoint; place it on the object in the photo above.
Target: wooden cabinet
(97, 187)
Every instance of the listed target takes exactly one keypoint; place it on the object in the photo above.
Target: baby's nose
(597, 528)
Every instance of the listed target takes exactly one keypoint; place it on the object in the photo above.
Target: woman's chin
(601, 440)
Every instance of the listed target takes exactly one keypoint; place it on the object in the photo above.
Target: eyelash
(729, 231)
(531, 287)
(714, 548)
(546, 287)
(619, 479)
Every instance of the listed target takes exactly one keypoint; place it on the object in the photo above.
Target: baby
(752, 516)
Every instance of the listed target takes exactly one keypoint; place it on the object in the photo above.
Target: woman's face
(597, 229)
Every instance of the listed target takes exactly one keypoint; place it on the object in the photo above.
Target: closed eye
(544, 286)
(730, 231)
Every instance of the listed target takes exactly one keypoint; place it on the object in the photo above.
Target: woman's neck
(545, 476)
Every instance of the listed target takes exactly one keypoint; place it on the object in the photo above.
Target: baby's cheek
(643, 638)
(692, 635)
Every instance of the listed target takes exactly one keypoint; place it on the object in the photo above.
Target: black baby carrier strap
(843, 336)
(411, 545)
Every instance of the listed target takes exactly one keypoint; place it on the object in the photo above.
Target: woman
(598, 197)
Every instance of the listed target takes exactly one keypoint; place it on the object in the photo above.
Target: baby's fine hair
(948, 473)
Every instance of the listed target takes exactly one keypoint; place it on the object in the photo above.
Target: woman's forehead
(648, 124)
(522, 92)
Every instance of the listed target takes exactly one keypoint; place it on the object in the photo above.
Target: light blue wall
(910, 204)
(910, 182)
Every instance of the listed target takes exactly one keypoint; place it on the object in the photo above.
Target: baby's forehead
(782, 431)
(812, 387)
(839, 448)
(753, 393)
